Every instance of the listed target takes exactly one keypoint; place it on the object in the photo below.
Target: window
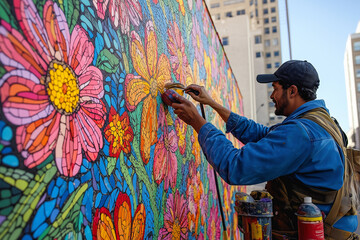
(257, 39)
(240, 12)
(229, 14)
(251, 14)
(266, 11)
(258, 54)
(273, 19)
(266, 20)
(215, 5)
(277, 64)
(230, 2)
(225, 41)
(276, 53)
(217, 16)
(275, 42)
(256, 13)
(264, 1)
(273, 9)
(356, 46)
(266, 30)
(267, 43)
(274, 29)
(358, 73)
(272, 1)
(268, 54)
(357, 59)
(251, 2)
(268, 66)
(358, 87)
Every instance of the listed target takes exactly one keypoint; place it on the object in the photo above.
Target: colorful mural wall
(87, 148)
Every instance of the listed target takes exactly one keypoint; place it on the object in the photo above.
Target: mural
(87, 148)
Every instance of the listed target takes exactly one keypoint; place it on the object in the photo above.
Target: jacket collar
(306, 107)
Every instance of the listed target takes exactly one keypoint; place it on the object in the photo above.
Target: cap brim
(266, 78)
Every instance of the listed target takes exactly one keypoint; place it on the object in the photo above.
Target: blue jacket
(297, 147)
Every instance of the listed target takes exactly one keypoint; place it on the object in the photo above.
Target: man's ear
(293, 90)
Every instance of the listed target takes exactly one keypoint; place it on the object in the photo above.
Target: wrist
(198, 123)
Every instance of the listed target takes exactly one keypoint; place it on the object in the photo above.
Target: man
(297, 156)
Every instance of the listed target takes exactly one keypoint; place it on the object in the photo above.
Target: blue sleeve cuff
(204, 132)
(232, 122)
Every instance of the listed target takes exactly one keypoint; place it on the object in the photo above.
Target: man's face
(280, 98)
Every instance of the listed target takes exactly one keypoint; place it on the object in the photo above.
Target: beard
(281, 104)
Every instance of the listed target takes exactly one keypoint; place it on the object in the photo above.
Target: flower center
(117, 131)
(176, 229)
(62, 87)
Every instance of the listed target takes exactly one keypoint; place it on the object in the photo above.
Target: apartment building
(352, 79)
(250, 33)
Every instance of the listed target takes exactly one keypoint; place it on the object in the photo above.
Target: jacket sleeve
(244, 129)
(280, 152)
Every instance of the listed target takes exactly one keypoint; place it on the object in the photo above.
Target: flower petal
(89, 134)
(33, 28)
(24, 99)
(163, 73)
(124, 18)
(57, 31)
(81, 50)
(151, 47)
(101, 6)
(37, 140)
(96, 111)
(122, 216)
(148, 128)
(103, 228)
(16, 52)
(135, 12)
(114, 12)
(68, 154)
(91, 83)
(138, 225)
(160, 159)
(138, 56)
(136, 89)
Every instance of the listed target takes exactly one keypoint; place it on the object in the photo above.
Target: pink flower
(175, 218)
(214, 224)
(121, 12)
(178, 57)
(50, 90)
(196, 41)
(165, 161)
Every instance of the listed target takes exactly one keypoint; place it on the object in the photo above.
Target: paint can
(254, 215)
(310, 221)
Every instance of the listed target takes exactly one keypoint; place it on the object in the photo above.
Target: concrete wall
(87, 147)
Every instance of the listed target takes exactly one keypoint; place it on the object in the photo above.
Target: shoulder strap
(322, 118)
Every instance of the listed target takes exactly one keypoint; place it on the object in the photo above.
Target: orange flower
(153, 73)
(125, 227)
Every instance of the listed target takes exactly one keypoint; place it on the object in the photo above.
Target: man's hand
(202, 97)
(187, 112)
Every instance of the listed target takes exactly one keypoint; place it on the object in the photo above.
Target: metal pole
(288, 27)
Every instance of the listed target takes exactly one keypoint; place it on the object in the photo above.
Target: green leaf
(6, 14)
(71, 11)
(107, 61)
(111, 164)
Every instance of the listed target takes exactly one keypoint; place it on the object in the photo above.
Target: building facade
(352, 78)
(250, 33)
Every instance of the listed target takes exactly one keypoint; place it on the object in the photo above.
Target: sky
(319, 30)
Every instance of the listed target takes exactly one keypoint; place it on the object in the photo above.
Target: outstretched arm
(204, 98)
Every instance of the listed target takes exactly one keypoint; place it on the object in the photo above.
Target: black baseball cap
(294, 72)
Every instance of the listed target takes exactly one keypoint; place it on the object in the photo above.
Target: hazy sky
(319, 30)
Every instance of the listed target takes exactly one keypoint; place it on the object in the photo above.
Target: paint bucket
(254, 216)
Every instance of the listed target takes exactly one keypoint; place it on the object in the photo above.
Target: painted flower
(196, 150)
(165, 161)
(50, 91)
(125, 227)
(178, 57)
(196, 40)
(211, 177)
(181, 128)
(207, 65)
(119, 133)
(121, 12)
(175, 218)
(214, 225)
(153, 73)
(196, 197)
